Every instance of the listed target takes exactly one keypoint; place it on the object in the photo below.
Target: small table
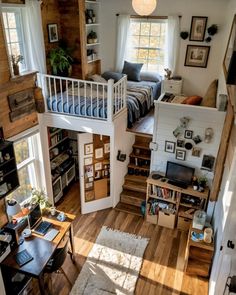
(198, 255)
(41, 250)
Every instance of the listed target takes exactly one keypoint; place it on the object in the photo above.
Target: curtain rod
(154, 16)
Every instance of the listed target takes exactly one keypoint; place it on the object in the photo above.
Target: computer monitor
(34, 216)
(179, 173)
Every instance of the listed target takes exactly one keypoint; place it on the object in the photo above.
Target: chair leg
(65, 276)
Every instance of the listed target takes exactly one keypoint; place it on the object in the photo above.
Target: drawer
(166, 219)
(184, 223)
(151, 218)
(172, 86)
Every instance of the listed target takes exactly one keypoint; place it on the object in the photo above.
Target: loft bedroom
(96, 143)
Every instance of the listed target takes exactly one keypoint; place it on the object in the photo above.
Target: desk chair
(56, 262)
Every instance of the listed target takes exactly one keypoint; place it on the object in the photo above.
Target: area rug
(113, 264)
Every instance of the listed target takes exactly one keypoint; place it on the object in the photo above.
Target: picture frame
(188, 134)
(98, 166)
(208, 162)
(169, 146)
(52, 33)
(180, 155)
(88, 161)
(196, 152)
(98, 153)
(88, 171)
(107, 148)
(89, 196)
(198, 28)
(230, 55)
(180, 143)
(197, 56)
(88, 148)
(97, 174)
(88, 185)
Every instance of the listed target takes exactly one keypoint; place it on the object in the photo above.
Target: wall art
(180, 155)
(188, 134)
(169, 146)
(88, 148)
(196, 151)
(198, 28)
(208, 162)
(197, 56)
(52, 33)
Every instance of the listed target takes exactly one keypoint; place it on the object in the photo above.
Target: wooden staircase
(134, 187)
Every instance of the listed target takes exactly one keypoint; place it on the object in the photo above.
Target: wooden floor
(145, 125)
(163, 262)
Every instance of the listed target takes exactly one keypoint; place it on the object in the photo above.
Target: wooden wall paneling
(4, 64)
(28, 121)
(83, 38)
(220, 159)
(50, 15)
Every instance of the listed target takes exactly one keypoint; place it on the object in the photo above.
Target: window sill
(23, 75)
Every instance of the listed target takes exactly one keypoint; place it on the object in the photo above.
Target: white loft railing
(82, 98)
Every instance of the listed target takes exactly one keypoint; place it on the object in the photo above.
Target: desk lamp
(12, 208)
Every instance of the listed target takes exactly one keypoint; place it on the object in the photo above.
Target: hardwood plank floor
(145, 125)
(163, 261)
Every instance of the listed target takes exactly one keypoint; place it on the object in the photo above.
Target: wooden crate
(152, 218)
(183, 223)
(166, 219)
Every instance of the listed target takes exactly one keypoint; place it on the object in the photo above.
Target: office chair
(56, 262)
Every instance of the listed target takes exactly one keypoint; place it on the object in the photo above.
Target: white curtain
(123, 24)
(173, 42)
(35, 48)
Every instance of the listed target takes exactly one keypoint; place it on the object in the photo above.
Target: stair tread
(136, 178)
(141, 146)
(128, 209)
(134, 194)
(143, 157)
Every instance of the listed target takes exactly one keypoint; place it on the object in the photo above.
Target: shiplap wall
(168, 118)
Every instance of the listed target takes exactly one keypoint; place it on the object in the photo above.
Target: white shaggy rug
(113, 264)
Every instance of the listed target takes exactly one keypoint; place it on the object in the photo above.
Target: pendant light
(144, 7)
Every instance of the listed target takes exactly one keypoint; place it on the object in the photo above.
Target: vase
(16, 70)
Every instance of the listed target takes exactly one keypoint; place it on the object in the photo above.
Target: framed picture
(52, 33)
(208, 162)
(180, 155)
(88, 149)
(98, 153)
(107, 148)
(198, 28)
(89, 196)
(98, 166)
(88, 161)
(89, 185)
(230, 56)
(180, 143)
(197, 56)
(88, 171)
(196, 152)
(169, 146)
(97, 174)
(188, 134)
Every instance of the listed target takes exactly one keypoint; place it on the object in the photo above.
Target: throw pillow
(150, 76)
(193, 100)
(98, 78)
(209, 99)
(112, 75)
(132, 70)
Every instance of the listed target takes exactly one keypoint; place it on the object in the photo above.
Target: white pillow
(98, 79)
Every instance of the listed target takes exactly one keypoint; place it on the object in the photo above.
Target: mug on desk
(208, 235)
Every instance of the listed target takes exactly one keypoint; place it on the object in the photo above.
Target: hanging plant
(212, 30)
(184, 35)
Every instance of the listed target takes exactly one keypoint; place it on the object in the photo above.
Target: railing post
(110, 99)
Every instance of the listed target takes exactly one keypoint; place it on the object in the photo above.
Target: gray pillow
(112, 75)
(132, 70)
(150, 76)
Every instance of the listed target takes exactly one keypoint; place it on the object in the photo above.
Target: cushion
(112, 75)
(209, 99)
(132, 70)
(150, 76)
(98, 78)
(193, 100)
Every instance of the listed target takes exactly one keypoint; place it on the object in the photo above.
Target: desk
(41, 250)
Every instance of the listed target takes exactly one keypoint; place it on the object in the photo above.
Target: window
(147, 43)
(26, 153)
(12, 20)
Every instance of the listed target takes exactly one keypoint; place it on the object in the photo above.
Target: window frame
(19, 11)
(153, 19)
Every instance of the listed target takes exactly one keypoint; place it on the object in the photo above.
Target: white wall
(196, 80)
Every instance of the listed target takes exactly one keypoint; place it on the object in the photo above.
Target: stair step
(132, 198)
(135, 186)
(128, 209)
(136, 178)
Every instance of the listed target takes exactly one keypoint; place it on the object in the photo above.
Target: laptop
(36, 222)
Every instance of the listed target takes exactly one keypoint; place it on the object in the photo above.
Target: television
(179, 173)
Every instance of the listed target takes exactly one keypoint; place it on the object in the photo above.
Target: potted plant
(16, 59)
(39, 197)
(202, 182)
(60, 61)
(92, 37)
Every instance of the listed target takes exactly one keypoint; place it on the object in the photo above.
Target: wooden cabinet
(167, 204)
(89, 14)
(8, 171)
(198, 255)
(61, 161)
(172, 86)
